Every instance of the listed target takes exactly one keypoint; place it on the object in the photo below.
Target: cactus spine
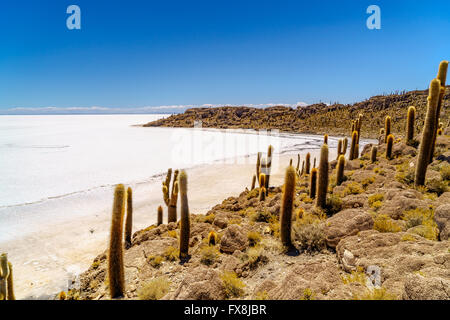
(313, 183)
(373, 154)
(253, 182)
(410, 119)
(116, 275)
(340, 170)
(287, 204)
(427, 135)
(160, 216)
(308, 163)
(390, 143)
(353, 145)
(4, 274)
(129, 220)
(322, 186)
(387, 128)
(184, 219)
(170, 198)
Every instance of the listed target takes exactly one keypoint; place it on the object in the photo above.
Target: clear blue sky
(133, 53)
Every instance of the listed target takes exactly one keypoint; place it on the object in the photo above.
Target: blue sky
(134, 54)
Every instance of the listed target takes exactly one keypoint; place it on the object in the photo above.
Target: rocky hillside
(378, 238)
(316, 118)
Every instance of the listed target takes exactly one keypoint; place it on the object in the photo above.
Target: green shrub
(261, 215)
(334, 204)
(154, 289)
(171, 254)
(383, 223)
(232, 285)
(209, 255)
(155, 261)
(253, 238)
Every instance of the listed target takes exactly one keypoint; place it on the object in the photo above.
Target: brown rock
(346, 223)
(442, 219)
(418, 287)
(234, 238)
(397, 258)
(201, 283)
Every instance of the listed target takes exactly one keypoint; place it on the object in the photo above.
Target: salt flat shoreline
(47, 258)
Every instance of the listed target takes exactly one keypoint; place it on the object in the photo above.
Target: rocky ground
(379, 238)
(316, 118)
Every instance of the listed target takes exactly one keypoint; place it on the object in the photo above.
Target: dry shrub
(154, 289)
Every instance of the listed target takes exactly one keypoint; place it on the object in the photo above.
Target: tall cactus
(373, 154)
(287, 204)
(308, 163)
(258, 166)
(345, 145)
(10, 283)
(340, 170)
(353, 145)
(129, 219)
(410, 119)
(185, 221)
(262, 190)
(170, 198)
(387, 128)
(116, 275)
(325, 139)
(4, 274)
(442, 77)
(313, 183)
(322, 187)
(298, 162)
(339, 149)
(160, 216)
(268, 167)
(253, 182)
(390, 144)
(427, 135)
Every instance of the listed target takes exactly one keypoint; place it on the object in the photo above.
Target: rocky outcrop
(346, 223)
(442, 219)
(397, 257)
(234, 238)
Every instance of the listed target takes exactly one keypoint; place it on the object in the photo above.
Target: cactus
(314, 165)
(410, 119)
(258, 166)
(129, 220)
(268, 168)
(212, 238)
(439, 132)
(253, 182)
(303, 168)
(298, 163)
(116, 274)
(322, 186)
(359, 125)
(313, 183)
(427, 135)
(344, 147)
(442, 77)
(171, 198)
(308, 163)
(339, 149)
(340, 170)
(4, 274)
(184, 217)
(300, 213)
(10, 283)
(325, 139)
(356, 155)
(387, 128)
(160, 216)
(353, 145)
(353, 126)
(373, 154)
(287, 203)
(290, 162)
(262, 190)
(381, 136)
(390, 144)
